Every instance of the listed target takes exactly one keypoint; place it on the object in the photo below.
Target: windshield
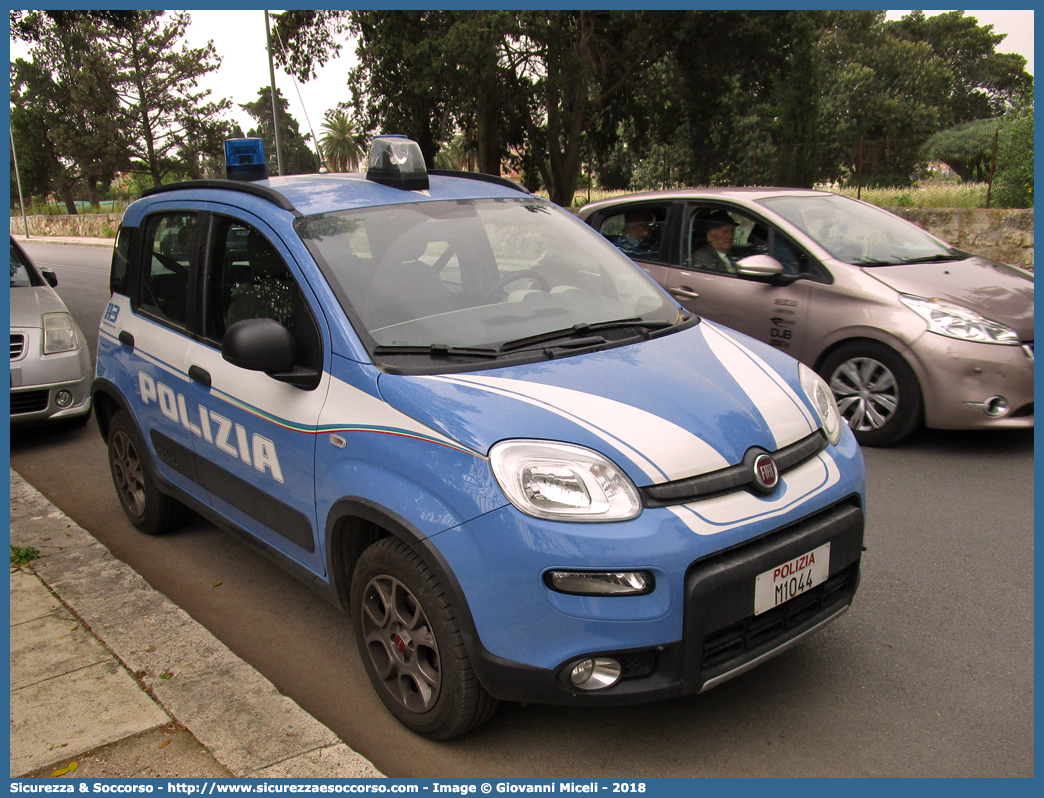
(475, 273)
(857, 233)
(21, 273)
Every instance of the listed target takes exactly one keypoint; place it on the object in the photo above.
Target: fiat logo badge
(765, 472)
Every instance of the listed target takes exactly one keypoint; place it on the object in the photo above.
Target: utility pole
(18, 179)
(275, 118)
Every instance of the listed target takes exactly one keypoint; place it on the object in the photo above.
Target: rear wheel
(412, 646)
(876, 392)
(147, 507)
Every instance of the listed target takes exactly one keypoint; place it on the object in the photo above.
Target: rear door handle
(200, 375)
(126, 339)
(685, 292)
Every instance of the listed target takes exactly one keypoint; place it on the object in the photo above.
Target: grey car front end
(50, 364)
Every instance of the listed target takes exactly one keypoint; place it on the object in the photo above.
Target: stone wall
(100, 225)
(1004, 235)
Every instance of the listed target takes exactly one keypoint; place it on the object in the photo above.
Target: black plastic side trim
(271, 512)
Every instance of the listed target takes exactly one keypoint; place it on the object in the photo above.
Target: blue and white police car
(472, 423)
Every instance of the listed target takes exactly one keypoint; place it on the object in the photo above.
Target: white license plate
(791, 578)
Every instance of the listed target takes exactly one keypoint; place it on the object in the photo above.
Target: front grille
(28, 401)
(722, 632)
(17, 345)
(727, 480)
(725, 645)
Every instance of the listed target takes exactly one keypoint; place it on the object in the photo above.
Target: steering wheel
(520, 274)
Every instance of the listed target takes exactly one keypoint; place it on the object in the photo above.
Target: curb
(239, 716)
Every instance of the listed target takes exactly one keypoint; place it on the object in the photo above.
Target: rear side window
(637, 232)
(120, 256)
(167, 263)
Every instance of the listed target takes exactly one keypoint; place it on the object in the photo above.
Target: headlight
(822, 399)
(562, 482)
(59, 333)
(953, 321)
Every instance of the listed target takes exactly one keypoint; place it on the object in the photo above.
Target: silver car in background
(906, 329)
(50, 364)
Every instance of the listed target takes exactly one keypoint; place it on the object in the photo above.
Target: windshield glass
(856, 233)
(21, 275)
(475, 273)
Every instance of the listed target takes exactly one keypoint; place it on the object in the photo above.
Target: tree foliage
(641, 99)
(298, 156)
(1013, 183)
(172, 122)
(342, 142)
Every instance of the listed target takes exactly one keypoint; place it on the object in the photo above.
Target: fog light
(595, 674)
(63, 399)
(996, 406)
(601, 583)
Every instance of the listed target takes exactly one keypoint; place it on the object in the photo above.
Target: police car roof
(306, 195)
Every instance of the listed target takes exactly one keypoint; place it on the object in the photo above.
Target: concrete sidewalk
(109, 674)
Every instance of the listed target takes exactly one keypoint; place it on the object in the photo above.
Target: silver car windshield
(475, 273)
(21, 276)
(857, 233)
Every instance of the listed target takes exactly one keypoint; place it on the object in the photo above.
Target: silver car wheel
(867, 393)
(126, 469)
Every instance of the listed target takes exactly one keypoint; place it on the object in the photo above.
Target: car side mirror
(49, 276)
(759, 267)
(259, 345)
(266, 345)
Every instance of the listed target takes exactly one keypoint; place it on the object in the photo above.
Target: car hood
(664, 409)
(995, 290)
(28, 304)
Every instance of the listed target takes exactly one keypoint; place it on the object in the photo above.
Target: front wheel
(876, 392)
(412, 646)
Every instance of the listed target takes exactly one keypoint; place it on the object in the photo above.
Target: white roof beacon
(397, 161)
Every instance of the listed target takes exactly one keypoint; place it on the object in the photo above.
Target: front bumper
(722, 636)
(36, 380)
(958, 377)
(694, 630)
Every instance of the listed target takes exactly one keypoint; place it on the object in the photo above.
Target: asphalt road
(929, 674)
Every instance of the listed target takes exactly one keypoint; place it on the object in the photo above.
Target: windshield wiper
(436, 350)
(583, 330)
(932, 259)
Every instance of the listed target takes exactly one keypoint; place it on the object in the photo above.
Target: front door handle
(200, 375)
(685, 293)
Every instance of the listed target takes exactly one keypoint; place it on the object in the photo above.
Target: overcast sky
(239, 37)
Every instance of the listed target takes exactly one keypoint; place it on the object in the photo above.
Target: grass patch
(23, 555)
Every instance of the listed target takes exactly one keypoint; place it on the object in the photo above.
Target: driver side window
(168, 260)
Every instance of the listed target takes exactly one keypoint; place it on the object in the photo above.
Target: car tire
(412, 646)
(876, 391)
(148, 508)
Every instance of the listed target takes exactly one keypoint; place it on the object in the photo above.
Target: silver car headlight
(563, 482)
(953, 321)
(59, 333)
(822, 399)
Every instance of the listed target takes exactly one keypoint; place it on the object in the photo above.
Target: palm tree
(342, 142)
